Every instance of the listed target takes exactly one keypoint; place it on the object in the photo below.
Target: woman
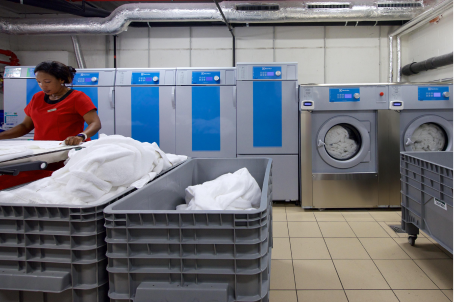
(57, 112)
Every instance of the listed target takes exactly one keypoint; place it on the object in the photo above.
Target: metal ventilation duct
(287, 12)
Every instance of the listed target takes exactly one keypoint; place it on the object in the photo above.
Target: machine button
(356, 95)
(382, 94)
(216, 78)
(94, 79)
(155, 79)
(446, 94)
(278, 73)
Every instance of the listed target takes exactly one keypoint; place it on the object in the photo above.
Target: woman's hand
(73, 140)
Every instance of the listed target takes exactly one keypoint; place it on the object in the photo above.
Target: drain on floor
(397, 228)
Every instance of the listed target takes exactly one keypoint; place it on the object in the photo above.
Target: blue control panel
(267, 73)
(343, 95)
(84, 78)
(145, 78)
(31, 72)
(206, 77)
(433, 93)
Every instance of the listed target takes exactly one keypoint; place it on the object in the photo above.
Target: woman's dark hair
(58, 70)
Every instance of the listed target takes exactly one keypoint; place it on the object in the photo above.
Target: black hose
(432, 63)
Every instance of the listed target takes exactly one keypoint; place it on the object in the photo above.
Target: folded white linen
(12, 149)
(231, 191)
(103, 168)
(9, 153)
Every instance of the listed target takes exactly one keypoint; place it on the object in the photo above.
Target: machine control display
(206, 77)
(31, 72)
(12, 72)
(344, 95)
(396, 105)
(438, 93)
(86, 78)
(307, 105)
(267, 72)
(145, 78)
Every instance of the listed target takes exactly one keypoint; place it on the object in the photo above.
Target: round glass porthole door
(429, 133)
(343, 142)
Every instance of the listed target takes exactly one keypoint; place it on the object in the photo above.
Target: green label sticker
(440, 204)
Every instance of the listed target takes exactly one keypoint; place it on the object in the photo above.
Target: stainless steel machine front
(339, 145)
(268, 121)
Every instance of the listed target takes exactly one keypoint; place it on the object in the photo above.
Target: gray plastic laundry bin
(54, 252)
(427, 191)
(157, 252)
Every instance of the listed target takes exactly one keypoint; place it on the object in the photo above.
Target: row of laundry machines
(333, 146)
(352, 136)
(229, 112)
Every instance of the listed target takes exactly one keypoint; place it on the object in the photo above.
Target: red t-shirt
(56, 120)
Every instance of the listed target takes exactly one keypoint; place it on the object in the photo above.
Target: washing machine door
(344, 142)
(428, 133)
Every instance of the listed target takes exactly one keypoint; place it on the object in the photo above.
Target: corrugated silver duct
(119, 19)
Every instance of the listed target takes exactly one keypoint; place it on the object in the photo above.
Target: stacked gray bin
(53, 253)
(427, 189)
(157, 253)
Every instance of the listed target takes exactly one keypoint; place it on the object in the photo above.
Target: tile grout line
(332, 261)
(291, 255)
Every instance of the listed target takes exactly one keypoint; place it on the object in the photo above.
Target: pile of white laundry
(97, 172)
(428, 137)
(231, 191)
(12, 149)
(339, 144)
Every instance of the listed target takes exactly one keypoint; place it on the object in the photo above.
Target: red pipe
(13, 60)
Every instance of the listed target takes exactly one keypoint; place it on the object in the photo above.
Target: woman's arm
(94, 125)
(20, 130)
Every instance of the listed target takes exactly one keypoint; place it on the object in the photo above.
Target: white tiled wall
(324, 54)
(429, 41)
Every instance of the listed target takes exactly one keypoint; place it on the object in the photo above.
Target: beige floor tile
(281, 249)
(280, 229)
(282, 274)
(360, 274)
(357, 216)
(329, 216)
(423, 249)
(336, 229)
(304, 229)
(309, 248)
(293, 208)
(404, 274)
(321, 296)
(279, 216)
(283, 296)
(300, 216)
(279, 209)
(421, 296)
(316, 274)
(439, 271)
(371, 296)
(385, 225)
(443, 250)
(368, 229)
(448, 293)
(385, 216)
(346, 248)
(383, 248)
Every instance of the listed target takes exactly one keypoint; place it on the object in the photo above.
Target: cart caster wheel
(411, 240)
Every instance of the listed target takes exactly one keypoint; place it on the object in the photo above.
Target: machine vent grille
(328, 5)
(261, 7)
(401, 4)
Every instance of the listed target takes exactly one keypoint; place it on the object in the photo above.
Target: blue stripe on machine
(206, 118)
(92, 93)
(32, 88)
(145, 114)
(267, 114)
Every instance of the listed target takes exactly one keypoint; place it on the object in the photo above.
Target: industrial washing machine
(98, 85)
(339, 145)
(206, 112)
(425, 116)
(20, 86)
(145, 105)
(268, 123)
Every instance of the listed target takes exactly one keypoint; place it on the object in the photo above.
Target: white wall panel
(169, 58)
(32, 58)
(211, 58)
(169, 38)
(299, 37)
(310, 63)
(352, 65)
(349, 36)
(215, 37)
(134, 38)
(254, 55)
(254, 37)
(132, 58)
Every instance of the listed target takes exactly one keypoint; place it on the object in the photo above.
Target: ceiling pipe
(120, 18)
(79, 57)
(420, 20)
(432, 63)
